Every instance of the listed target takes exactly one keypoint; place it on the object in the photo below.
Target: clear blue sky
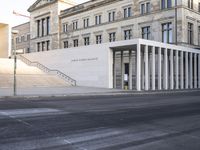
(20, 6)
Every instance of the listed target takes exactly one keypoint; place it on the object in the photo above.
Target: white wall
(4, 40)
(88, 65)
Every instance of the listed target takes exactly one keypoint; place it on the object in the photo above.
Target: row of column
(175, 69)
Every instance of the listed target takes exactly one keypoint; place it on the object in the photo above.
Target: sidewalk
(80, 91)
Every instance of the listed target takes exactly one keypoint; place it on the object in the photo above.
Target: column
(181, 71)
(159, 69)
(191, 70)
(195, 70)
(171, 69)
(122, 70)
(130, 70)
(186, 70)
(165, 76)
(146, 55)
(114, 70)
(198, 70)
(177, 69)
(153, 69)
(138, 74)
(142, 70)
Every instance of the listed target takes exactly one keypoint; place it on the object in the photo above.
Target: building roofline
(21, 24)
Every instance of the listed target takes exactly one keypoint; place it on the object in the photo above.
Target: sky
(20, 6)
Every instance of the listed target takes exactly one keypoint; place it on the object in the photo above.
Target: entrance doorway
(126, 75)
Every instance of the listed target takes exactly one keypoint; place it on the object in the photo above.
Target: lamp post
(14, 33)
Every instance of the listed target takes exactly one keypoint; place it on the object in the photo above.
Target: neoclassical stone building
(58, 24)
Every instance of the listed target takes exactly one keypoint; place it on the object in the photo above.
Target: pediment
(39, 4)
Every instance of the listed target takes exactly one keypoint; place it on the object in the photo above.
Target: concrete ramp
(27, 76)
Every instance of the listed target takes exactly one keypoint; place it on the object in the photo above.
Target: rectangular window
(97, 19)
(145, 8)
(48, 25)
(148, 7)
(146, 33)
(75, 25)
(86, 40)
(76, 43)
(28, 37)
(43, 20)
(112, 37)
(190, 4)
(38, 46)
(190, 33)
(48, 45)
(66, 44)
(65, 28)
(199, 7)
(167, 33)
(142, 9)
(98, 39)
(127, 34)
(86, 22)
(43, 46)
(111, 16)
(38, 28)
(127, 12)
(166, 4)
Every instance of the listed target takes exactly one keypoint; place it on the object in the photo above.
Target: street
(123, 122)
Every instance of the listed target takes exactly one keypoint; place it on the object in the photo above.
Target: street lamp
(14, 33)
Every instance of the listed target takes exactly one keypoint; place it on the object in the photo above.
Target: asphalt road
(145, 122)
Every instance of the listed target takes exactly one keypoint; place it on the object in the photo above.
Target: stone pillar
(181, 71)
(138, 74)
(165, 77)
(122, 70)
(142, 70)
(177, 69)
(171, 69)
(159, 68)
(130, 70)
(191, 70)
(114, 70)
(146, 55)
(195, 70)
(153, 69)
(186, 70)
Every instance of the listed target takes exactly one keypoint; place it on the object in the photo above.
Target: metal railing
(60, 74)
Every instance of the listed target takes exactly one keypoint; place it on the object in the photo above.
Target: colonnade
(161, 68)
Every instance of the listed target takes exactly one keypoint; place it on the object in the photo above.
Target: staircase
(28, 75)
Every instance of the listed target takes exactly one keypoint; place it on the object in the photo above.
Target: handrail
(47, 70)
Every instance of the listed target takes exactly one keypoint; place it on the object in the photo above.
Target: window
(145, 8)
(48, 45)
(86, 40)
(65, 28)
(28, 37)
(98, 39)
(86, 22)
(43, 46)
(146, 32)
(38, 28)
(66, 44)
(43, 20)
(167, 32)
(190, 4)
(38, 47)
(112, 37)
(48, 25)
(127, 12)
(76, 43)
(199, 7)
(23, 38)
(97, 19)
(166, 4)
(190, 33)
(75, 25)
(111, 16)
(127, 34)
(17, 40)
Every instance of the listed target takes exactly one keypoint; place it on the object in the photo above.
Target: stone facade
(22, 38)
(71, 25)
